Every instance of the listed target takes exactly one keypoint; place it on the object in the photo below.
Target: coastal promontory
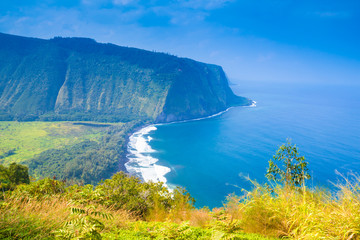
(80, 79)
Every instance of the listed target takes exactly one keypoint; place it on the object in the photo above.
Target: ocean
(214, 157)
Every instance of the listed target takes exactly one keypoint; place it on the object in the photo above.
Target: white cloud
(92, 2)
(329, 14)
(22, 20)
(205, 4)
(124, 2)
(186, 18)
(265, 57)
(114, 2)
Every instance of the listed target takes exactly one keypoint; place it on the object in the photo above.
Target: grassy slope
(41, 209)
(30, 218)
(284, 213)
(32, 138)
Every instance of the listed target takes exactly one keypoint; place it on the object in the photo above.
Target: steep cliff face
(80, 79)
(198, 90)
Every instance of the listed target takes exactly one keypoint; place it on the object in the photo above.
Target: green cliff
(80, 79)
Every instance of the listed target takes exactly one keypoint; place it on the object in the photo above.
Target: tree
(292, 170)
(18, 174)
(13, 175)
(4, 178)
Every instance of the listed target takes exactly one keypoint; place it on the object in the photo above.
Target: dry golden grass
(200, 218)
(300, 213)
(280, 212)
(48, 215)
(120, 218)
(51, 210)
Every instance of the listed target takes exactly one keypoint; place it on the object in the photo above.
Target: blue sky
(262, 40)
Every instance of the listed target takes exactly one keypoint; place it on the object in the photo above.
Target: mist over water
(211, 157)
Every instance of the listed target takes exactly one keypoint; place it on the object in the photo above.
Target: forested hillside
(79, 152)
(80, 79)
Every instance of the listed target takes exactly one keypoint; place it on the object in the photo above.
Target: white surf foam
(140, 163)
(253, 104)
(194, 119)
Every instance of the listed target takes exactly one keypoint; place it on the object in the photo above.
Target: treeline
(123, 116)
(87, 162)
(8, 153)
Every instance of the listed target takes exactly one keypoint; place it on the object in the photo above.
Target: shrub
(13, 175)
(293, 169)
(39, 189)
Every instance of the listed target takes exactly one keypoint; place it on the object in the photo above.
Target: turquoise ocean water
(211, 157)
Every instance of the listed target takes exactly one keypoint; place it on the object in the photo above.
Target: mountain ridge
(80, 79)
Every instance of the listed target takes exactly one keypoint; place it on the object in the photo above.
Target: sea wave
(253, 104)
(140, 163)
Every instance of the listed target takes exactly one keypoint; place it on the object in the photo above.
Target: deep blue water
(211, 157)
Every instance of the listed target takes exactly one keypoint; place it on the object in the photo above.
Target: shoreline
(253, 104)
(140, 162)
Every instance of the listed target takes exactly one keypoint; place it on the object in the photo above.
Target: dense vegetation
(21, 141)
(13, 175)
(125, 208)
(82, 152)
(119, 208)
(78, 79)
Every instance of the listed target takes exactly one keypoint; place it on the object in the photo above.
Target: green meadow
(21, 141)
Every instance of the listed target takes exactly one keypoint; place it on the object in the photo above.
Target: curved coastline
(140, 162)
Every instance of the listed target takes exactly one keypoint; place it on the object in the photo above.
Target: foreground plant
(85, 225)
(292, 169)
(126, 208)
(289, 209)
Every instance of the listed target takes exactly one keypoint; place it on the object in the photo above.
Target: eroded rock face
(80, 79)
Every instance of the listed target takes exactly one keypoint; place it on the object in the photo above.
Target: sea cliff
(80, 79)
